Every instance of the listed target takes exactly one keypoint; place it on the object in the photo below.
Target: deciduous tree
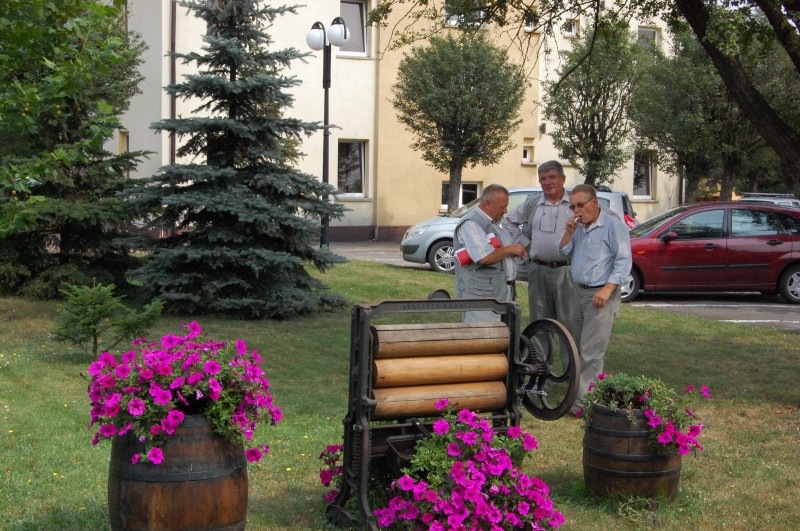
(67, 69)
(589, 105)
(460, 96)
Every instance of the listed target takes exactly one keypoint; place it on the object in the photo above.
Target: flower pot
(618, 460)
(201, 484)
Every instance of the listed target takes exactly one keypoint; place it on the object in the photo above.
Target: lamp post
(317, 39)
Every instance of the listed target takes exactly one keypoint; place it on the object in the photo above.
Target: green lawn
(53, 478)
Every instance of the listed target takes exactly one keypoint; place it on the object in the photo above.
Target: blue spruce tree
(243, 222)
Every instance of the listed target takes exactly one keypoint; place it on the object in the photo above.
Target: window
(354, 14)
(527, 151)
(473, 17)
(351, 168)
(706, 224)
(752, 223)
(469, 192)
(570, 28)
(644, 172)
(648, 36)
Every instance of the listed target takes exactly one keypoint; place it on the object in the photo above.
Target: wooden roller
(397, 372)
(438, 339)
(420, 400)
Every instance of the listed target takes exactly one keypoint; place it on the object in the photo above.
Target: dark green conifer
(244, 223)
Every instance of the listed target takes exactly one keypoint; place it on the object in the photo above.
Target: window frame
(364, 33)
(362, 155)
(575, 28)
(651, 174)
(461, 202)
(656, 41)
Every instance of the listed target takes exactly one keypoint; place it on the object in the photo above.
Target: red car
(718, 246)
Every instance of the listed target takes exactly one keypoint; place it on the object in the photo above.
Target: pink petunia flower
(442, 404)
(253, 455)
(705, 391)
(155, 455)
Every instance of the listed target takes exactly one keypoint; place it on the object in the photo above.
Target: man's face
(584, 208)
(552, 184)
(496, 206)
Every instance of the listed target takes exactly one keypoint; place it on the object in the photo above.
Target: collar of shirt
(564, 198)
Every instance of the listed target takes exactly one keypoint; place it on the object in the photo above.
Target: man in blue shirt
(600, 248)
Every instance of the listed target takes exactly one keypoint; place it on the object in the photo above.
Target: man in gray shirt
(600, 247)
(539, 224)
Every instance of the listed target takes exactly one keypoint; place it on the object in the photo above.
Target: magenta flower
(212, 367)
(665, 437)
(705, 391)
(325, 476)
(695, 429)
(253, 455)
(441, 426)
(514, 432)
(122, 371)
(241, 347)
(108, 430)
(655, 422)
(689, 388)
(405, 483)
(442, 404)
(529, 443)
(155, 455)
(136, 407)
(602, 376)
(453, 449)
(135, 459)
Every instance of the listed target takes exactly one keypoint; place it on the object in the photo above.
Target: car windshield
(655, 222)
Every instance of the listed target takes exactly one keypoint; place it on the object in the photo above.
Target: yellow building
(384, 183)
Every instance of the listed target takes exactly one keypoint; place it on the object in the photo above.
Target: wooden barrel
(201, 484)
(618, 460)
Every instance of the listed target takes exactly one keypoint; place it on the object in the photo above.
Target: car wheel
(442, 258)
(630, 290)
(789, 284)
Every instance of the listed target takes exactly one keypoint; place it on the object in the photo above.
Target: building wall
(400, 188)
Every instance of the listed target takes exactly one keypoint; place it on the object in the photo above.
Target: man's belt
(584, 286)
(552, 264)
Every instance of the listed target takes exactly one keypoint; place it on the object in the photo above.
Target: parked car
(775, 199)
(431, 240)
(718, 246)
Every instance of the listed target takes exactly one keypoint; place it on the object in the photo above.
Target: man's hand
(602, 295)
(516, 249)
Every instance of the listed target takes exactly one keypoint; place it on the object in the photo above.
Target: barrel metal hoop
(626, 474)
(628, 457)
(132, 473)
(617, 433)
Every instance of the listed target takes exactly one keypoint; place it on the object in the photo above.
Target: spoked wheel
(549, 381)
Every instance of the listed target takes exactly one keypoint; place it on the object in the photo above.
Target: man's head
(552, 179)
(494, 201)
(583, 203)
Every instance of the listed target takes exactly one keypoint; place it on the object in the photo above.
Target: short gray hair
(550, 165)
(490, 192)
(586, 189)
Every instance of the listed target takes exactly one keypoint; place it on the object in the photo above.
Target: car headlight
(415, 231)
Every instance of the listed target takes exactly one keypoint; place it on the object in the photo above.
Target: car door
(696, 258)
(758, 248)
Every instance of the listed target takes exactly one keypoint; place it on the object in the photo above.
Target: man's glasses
(581, 205)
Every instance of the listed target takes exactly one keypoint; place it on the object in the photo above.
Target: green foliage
(460, 96)
(93, 318)
(243, 221)
(67, 70)
(589, 102)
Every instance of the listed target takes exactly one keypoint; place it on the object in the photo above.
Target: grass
(53, 478)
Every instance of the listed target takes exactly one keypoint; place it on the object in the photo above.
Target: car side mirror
(670, 236)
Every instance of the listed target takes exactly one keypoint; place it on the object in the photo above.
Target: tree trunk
(454, 197)
(778, 134)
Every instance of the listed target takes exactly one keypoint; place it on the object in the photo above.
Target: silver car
(431, 240)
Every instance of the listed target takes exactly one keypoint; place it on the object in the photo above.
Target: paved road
(748, 308)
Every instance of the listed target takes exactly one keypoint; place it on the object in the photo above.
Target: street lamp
(317, 40)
